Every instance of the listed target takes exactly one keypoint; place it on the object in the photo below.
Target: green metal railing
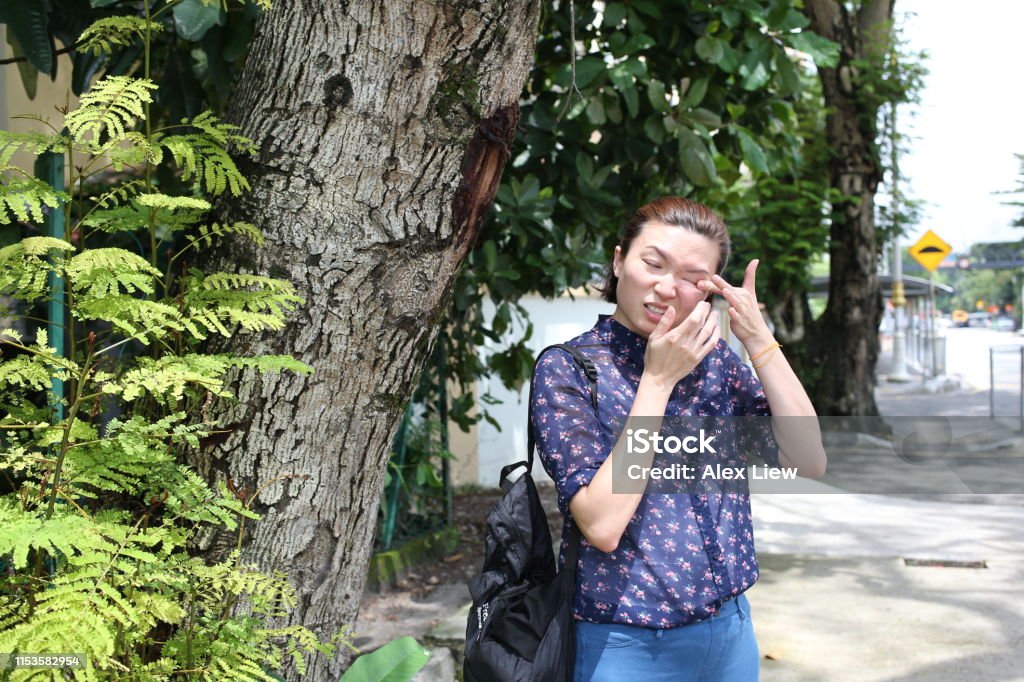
(400, 450)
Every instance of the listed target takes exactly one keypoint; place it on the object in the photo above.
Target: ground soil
(469, 511)
(433, 589)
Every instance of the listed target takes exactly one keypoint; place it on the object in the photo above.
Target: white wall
(554, 321)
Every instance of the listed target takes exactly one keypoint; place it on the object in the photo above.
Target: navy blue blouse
(682, 554)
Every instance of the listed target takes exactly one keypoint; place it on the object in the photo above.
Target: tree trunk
(846, 337)
(382, 128)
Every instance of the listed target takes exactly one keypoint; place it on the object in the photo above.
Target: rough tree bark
(845, 342)
(383, 128)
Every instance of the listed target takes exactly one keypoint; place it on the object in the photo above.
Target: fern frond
(64, 533)
(117, 219)
(99, 273)
(167, 378)
(103, 35)
(128, 150)
(208, 233)
(221, 133)
(138, 318)
(172, 203)
(24, 200)
(92, 635)
(119, 194)
(190, 499)
(113, 104)
(206, 163)
(254, 302)
(34, 143)
(24, 266)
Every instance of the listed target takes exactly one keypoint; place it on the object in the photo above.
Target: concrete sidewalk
(857, 586)
(841, 596)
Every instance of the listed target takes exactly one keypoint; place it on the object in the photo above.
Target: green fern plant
(98, 512)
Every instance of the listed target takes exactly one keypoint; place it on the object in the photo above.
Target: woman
(660, 578)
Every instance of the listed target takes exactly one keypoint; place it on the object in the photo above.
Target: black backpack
(520, 627)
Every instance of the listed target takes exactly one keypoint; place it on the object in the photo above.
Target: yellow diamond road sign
(930, 250)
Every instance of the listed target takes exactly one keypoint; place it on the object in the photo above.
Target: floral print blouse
(682, 554)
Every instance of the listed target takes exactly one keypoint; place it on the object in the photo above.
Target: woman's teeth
(657, 310)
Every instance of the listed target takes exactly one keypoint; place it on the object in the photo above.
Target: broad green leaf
(654, 128)
(793, 20)
(754, 69)
(27, 21)
(192, 19)
(648, 7)
(490, 255)
(656, 94)
(695, 159)
(695, 93)
(587, 70)
(638, 43)
(396, 661)
(623, 81)
(730, 59)
(595, 111)
(753, 155)
(705, 117)
(710, 49)
(731, 18)
(614, 13)
(823, 51)
(789, 79)
(584, 166)
(26, 69)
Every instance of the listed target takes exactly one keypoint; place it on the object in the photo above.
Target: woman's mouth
(655, 311)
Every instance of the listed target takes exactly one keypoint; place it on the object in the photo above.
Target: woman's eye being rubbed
(653, 264)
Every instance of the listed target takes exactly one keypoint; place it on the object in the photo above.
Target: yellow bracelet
(770, 358)
(774, 345)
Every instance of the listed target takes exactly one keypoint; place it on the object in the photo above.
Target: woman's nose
(665, 287)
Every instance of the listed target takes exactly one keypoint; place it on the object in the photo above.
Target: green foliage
(679, 97)
(113, 104)
(412, 481)
(396, 661)
(97, 512)
(25, 200)
(102, 36)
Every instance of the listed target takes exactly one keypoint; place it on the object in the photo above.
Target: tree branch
(23, 58)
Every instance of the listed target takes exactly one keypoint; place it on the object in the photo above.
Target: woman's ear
(617, 262)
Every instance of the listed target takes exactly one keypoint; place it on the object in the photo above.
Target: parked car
(979, 320)
(1004, 323)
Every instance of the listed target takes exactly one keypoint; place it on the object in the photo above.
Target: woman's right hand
(673, 353)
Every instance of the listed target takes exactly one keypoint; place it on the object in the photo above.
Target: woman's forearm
(794, 419)
(601, 514)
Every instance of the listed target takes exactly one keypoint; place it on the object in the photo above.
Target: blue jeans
(721, 648)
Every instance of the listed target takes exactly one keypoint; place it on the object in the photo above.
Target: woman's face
(661, 270)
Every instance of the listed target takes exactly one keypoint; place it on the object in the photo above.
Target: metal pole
(931, 320)
(991, 384)
(49, 168)
(442, 414)
(391, 516)
(1021, 349)
(899, 301)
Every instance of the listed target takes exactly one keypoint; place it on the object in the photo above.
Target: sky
(970, 120)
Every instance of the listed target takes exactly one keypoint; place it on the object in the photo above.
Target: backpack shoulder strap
(589, 371)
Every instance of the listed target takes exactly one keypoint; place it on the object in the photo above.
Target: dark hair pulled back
(676, 211)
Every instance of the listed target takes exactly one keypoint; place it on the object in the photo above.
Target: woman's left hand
(745, 317)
